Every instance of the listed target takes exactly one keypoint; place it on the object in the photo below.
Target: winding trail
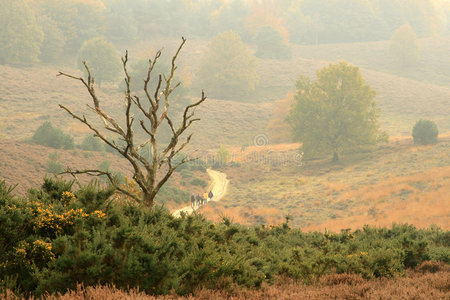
(219, 185)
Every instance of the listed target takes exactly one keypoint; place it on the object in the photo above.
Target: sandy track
(219, 185)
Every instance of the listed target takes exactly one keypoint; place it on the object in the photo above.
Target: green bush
(199, 182)
(49, 136)
(53, 166)
(92, 143)
(58, 237)
(425, 132)
(169, 193)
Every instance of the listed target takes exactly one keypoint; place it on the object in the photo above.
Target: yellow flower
(99, 214)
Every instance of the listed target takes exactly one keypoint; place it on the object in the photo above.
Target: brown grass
(431, 280)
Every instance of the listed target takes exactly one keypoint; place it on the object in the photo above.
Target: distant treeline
(47, 28)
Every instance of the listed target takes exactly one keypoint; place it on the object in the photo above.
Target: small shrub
(49, 136)
(199, 182)
(425, 132)
(432, 267)
(186, 174)
(222, 156)
(92, 143)
(53, 166)
(344, 278)
(104, 166)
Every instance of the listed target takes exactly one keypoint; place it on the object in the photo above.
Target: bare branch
(98, 173)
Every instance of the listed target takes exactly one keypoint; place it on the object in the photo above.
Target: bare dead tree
(150, 174)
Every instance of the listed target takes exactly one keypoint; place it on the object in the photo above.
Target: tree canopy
(270, 44)
(228, 69)
(404, 46)
(102, 58)
(20, 35)
(335, 113)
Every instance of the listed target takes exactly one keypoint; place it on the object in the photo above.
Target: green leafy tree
(425, 132)
(335, 113)
(102, 58)
(404, 46)
(120, 21)
(270, 44)
(54, 40)
(228, 69)
(20, 35)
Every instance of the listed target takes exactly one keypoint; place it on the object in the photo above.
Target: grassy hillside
(399, 181)
(25, 164)
(433, 66)
(28, 96)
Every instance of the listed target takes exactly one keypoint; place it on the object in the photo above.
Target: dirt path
(219, 185)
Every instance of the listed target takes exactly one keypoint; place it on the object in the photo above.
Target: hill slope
(399, 182)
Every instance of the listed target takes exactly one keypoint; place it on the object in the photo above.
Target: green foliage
(199, 182)
(77, 20)
(342, 21)
(172, 194)
(53, 166)
(222, 155)
(404, 46)
(92, 143)
(49, 136)
(270, 44)
(58, 237)
(425, 132)
(20, 36)
(54, 40)
(102, 59)
(104, 166)
(323, 21)
(228, 69)
(336, 113)
(121, 24)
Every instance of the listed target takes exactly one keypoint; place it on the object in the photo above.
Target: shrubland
(58, 237)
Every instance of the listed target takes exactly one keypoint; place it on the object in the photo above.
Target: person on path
(210, 195)
(205, 197)
(198, 198)
(192, 200)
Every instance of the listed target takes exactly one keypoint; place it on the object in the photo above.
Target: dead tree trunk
(149, 174)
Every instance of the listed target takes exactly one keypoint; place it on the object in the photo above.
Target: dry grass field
(30, 95)
(399, 182)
